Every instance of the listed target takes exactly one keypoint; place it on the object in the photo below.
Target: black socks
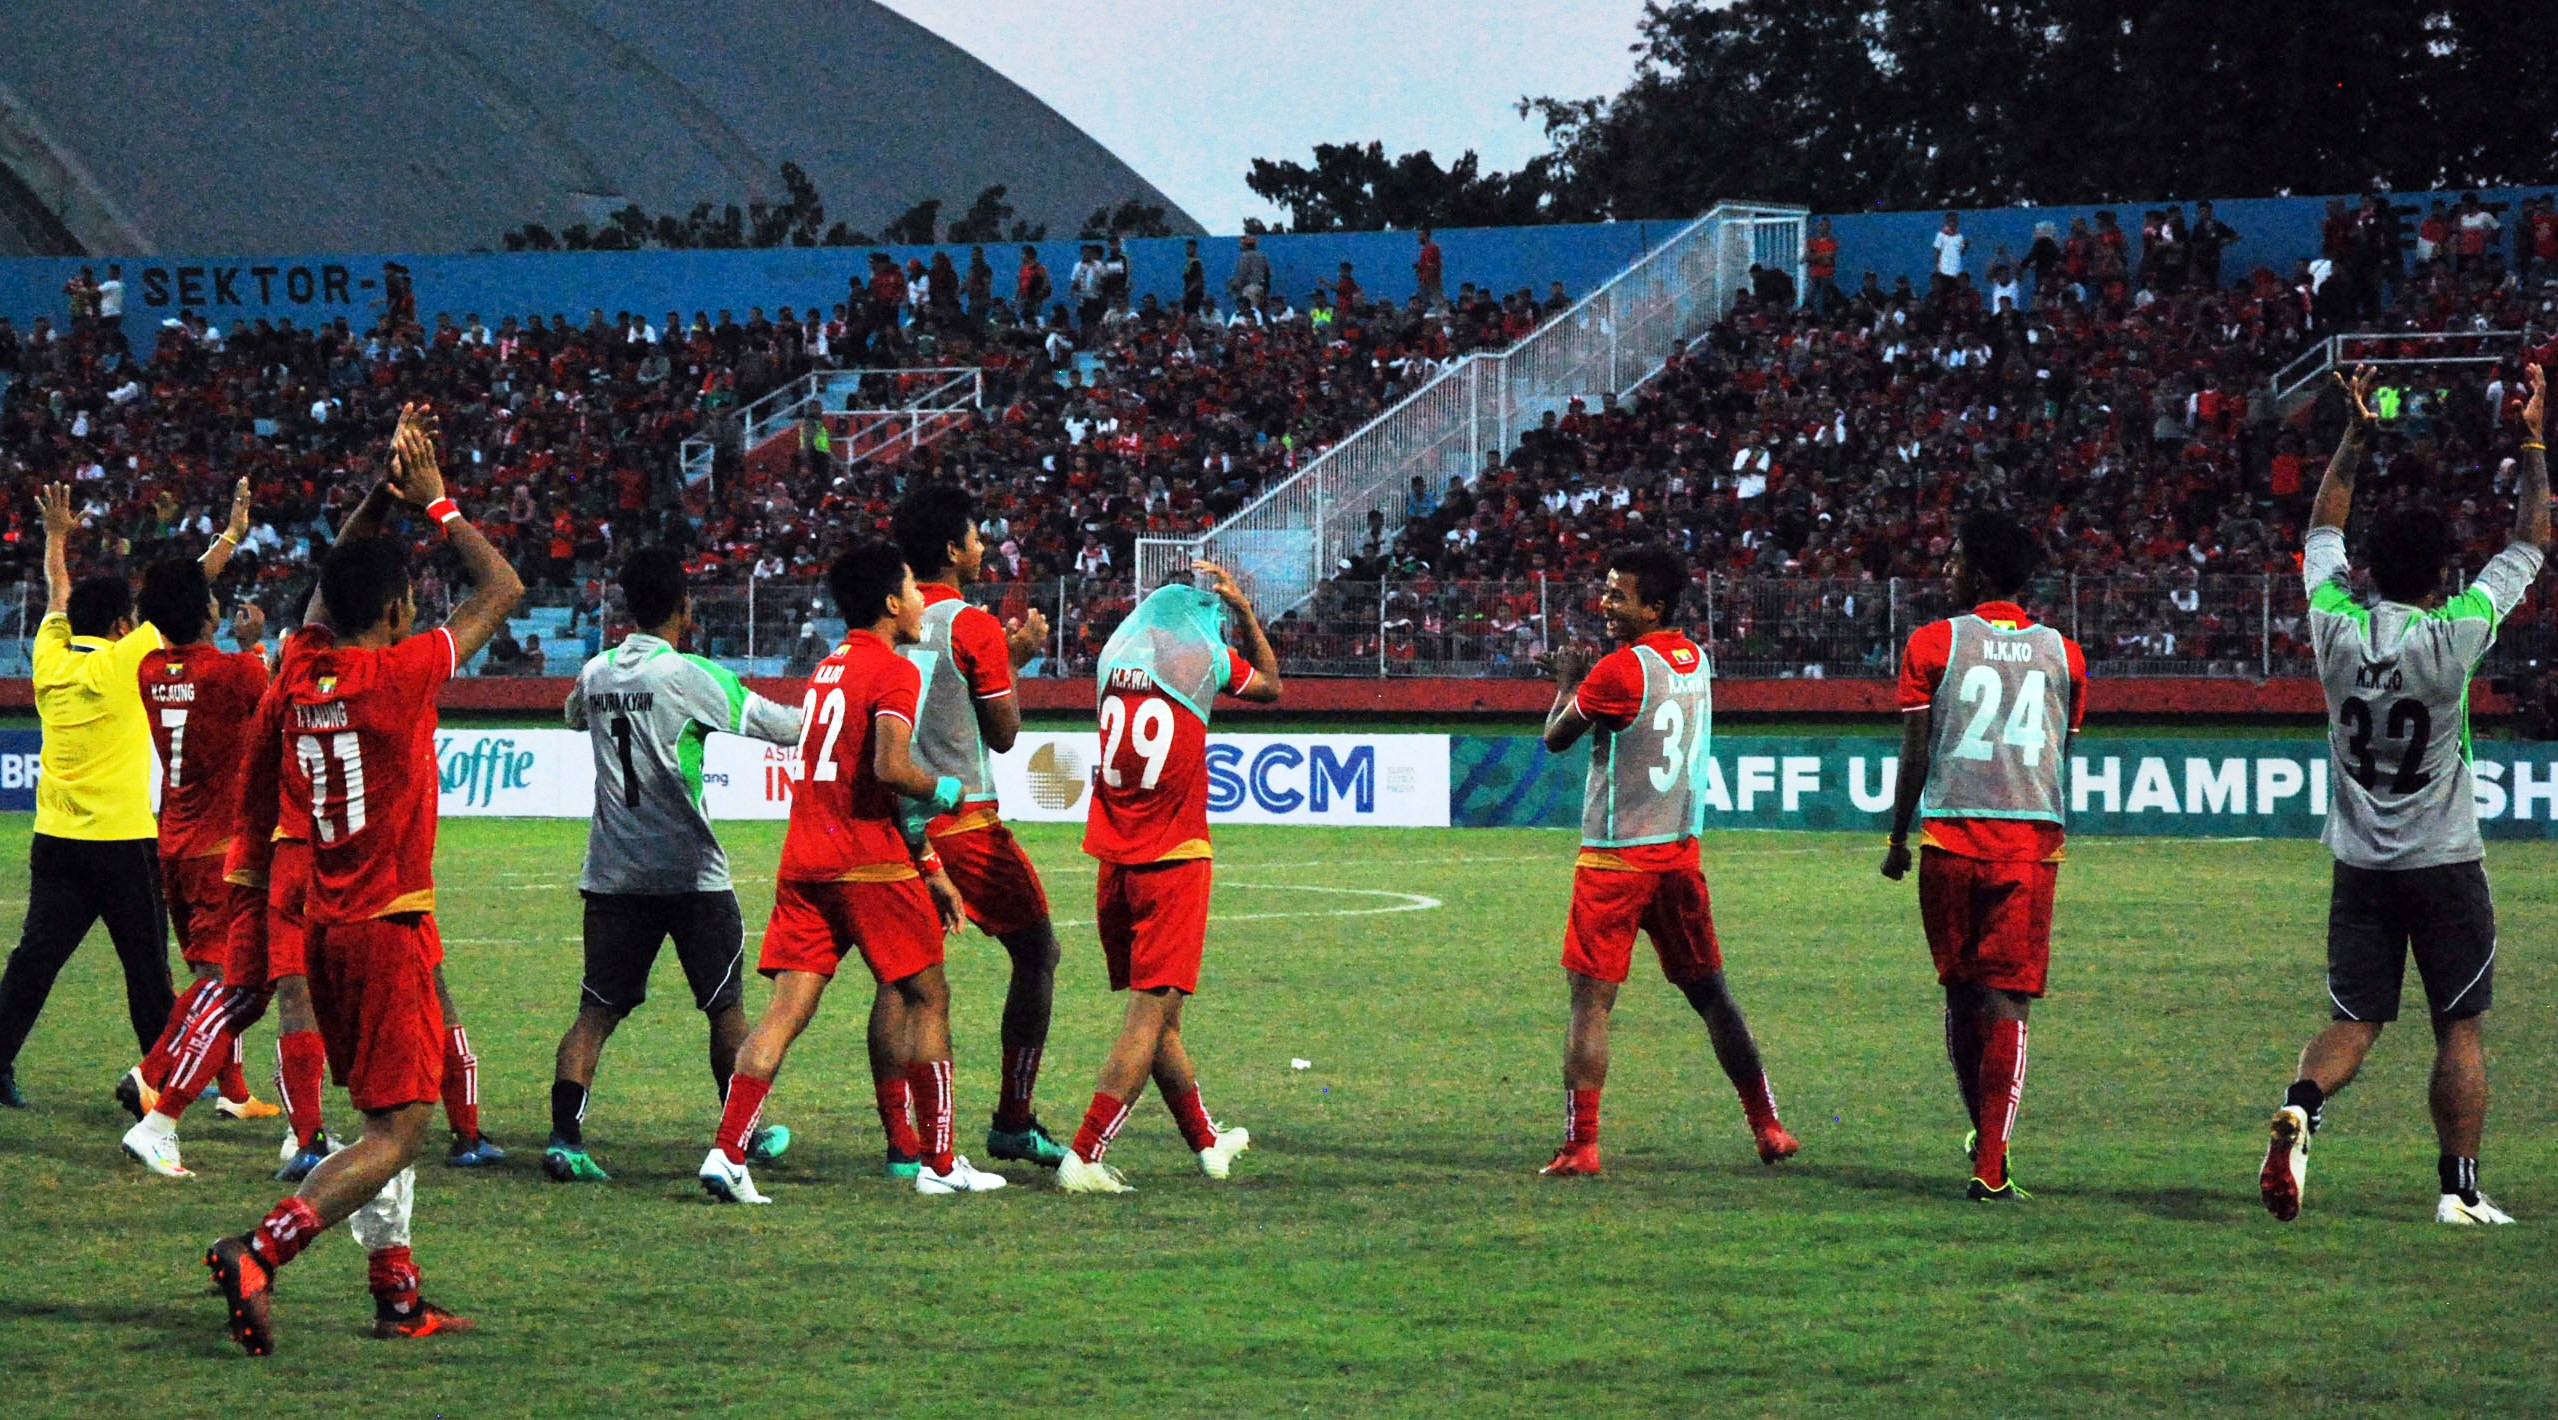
(568, 1106)
(2310, 1098)
(2459, 1176)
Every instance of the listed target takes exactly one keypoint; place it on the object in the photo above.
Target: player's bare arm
(2335, 502)
(55, 502)
(1564, 722)
(248, 627)
(1257, 651)
(227, 541)
(2531, 493)
(495, 589)
(1917, 744)
(946, 902)
(892, 759)
(375, 510)
(999, 719)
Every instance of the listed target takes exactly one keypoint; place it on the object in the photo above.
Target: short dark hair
(2406, 550)
(1659, 574)
(174, 592)
(97, 604)
(930, 520)
(360, 579)
(2002, 552)
(653, 585)
(864, 578)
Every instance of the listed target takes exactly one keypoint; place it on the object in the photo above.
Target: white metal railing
(1287, 541)
(694, 459)
(932, 402)
(2391, 349)
(825, 392)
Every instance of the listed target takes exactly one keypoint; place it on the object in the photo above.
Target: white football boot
(153, 1143)
(727, 1182)
(1219, 1158)
(963, 1177)
(2285, 1176)
(1076, 1176)
(2484, 1211)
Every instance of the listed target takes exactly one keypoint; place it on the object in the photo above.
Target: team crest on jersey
(173, 670)
(1682, 657)
(328, 685)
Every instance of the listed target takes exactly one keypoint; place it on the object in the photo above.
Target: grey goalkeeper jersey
(2397, 682)
(646, 709)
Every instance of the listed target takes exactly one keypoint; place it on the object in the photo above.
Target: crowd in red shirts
(2127, 412)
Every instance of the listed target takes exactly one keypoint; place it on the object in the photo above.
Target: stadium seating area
(1783, 444)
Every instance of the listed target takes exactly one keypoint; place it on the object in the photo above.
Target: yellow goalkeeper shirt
(96, 781)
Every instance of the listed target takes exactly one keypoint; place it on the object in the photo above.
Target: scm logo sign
(487, 767)
(1271, 776)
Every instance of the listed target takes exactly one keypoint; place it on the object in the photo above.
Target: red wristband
(444, 510)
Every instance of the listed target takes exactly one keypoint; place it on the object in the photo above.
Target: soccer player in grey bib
(653, 868)
(2409, 876)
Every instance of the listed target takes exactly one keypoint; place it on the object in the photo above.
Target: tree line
(799, 220)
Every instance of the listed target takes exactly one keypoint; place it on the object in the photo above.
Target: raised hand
(1025, 637)
(238, 527)
(248, 624)
(1222, 582)
(59, 520)
(2358, 393)
(1567, 664)
(415, 476)
(2534, 408)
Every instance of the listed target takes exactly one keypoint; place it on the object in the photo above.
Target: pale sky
(1189, 93)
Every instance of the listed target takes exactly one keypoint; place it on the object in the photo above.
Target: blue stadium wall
(2273, 230)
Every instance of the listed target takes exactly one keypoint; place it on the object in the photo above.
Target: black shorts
(2376, 916)
(624, 931)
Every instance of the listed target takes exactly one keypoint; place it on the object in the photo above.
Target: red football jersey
(201, 700)
(360, 749)
(843, 820)
(260, 789)
(1150, 790)
(1923, 662)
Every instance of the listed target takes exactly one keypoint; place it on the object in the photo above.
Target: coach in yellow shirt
(95, 853)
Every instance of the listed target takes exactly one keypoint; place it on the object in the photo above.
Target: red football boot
(1573, 1161)
(426, 1319)
(1775, 1143)
(247, 1290)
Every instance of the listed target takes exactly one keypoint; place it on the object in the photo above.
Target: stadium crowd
(2111, 384)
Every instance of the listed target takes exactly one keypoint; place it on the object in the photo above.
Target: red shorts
(1153, 920)
(373, 992)
(199, 908)
(288, 882)
(1989, 922)
(1672, 908)
(246, 963)
(893, 925)
(995, 880)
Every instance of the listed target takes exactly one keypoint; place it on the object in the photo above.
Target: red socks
(299, 1058)
(461, 1084)
(204, 1049)
(155, 1064)
(897, 1117)
(930, 1082)
(1100, 1126)
(737, 1117)
(1757, 1101)
(1580, 1116)
(1963, 1044)
(1021, 1074)
(234, 1085)
(287, 1229)
(391, 1275)
(2002, 1085)
(1192, 1118)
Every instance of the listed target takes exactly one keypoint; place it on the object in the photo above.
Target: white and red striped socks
(2002, 1087)
(929, 1080)
(1100, 1126)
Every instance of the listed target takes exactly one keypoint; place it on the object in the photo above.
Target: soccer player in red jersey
(191, 811)
(966, 715)
(1648, 706)
(199, 701)
(1160, 675)
(850, 880)
(360, 738)
(1989, 700)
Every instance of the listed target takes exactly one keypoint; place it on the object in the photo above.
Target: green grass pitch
(1386, 1248)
